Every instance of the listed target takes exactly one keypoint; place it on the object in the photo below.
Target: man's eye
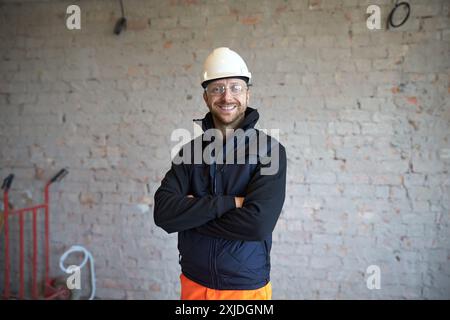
(236, 88)
(215, 89)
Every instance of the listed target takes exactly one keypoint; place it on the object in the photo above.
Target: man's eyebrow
(224, 83)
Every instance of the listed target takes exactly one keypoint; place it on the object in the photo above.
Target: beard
(227, 114)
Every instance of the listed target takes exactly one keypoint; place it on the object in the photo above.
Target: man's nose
(227, 96)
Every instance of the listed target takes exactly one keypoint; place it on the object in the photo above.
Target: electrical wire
(87, 256)
(391, 15)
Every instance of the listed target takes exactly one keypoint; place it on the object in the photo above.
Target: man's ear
(205, 97)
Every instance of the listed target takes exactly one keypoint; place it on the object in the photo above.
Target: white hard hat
(224, 63)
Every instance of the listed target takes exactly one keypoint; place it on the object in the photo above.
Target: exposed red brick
(234, 12)
(314, 4)
(168, 44)
(412, 100)
(183, 2)
(38, 173)
(132, 71)
(250, 20)
(155, 287)
(395, 90)
(145, 200)
(87, 199)
(348, 16)
(137, 25)
(109, 283)
(280, 9)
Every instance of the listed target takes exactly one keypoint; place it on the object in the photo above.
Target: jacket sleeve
(262, 206)
(175, 212)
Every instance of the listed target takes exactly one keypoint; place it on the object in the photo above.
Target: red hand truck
(50, 291)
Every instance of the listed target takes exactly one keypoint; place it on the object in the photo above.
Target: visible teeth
(227, 107)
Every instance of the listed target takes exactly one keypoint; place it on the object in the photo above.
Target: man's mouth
(227, 107)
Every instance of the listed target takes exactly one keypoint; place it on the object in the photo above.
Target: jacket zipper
(215, 180)
(216, 278)
(212, 262)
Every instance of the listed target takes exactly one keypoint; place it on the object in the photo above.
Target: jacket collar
(250, 120)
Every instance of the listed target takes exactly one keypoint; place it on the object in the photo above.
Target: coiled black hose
(406, 6)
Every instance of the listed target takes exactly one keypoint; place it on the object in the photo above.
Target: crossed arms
(223, 216)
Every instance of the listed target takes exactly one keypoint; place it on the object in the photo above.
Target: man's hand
(239, 201)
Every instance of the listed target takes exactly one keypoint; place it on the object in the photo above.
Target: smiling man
(227, 101)
(225, 212)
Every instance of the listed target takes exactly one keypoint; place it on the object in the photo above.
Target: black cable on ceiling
(121, 24)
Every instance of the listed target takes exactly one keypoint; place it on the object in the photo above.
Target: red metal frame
(50, 292)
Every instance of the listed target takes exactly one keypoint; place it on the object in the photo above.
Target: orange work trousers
(191, 290)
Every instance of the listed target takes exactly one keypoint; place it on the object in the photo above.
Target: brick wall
(364, 116)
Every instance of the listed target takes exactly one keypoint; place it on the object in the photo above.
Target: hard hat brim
(205, 83)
